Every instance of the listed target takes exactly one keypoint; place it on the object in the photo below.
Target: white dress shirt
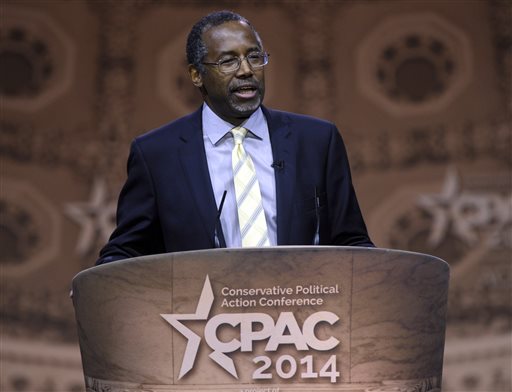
(218, 144)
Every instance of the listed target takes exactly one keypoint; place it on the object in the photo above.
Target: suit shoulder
(300, 119)
(171, 130)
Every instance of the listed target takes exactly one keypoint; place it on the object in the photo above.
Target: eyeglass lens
(255, 61)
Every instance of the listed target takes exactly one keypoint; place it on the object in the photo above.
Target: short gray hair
(196, 48)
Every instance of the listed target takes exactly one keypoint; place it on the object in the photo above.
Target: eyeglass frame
(265, 56)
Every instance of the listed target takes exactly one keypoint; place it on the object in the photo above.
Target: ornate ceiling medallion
(36, 60)
(30, 228)
(414, 64)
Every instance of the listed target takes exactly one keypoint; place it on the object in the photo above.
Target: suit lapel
(284, 151)
(195, 167)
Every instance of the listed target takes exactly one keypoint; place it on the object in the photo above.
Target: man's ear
(195, 76)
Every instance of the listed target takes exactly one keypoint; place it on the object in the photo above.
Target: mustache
(245, 84)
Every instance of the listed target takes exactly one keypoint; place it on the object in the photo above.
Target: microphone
(278, 165)
(316, 240)
(217, 221)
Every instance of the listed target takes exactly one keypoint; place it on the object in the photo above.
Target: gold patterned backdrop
(421, 91)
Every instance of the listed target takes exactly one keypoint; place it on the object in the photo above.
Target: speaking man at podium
(234, 173)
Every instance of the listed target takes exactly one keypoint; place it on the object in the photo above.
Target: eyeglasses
(232, 64)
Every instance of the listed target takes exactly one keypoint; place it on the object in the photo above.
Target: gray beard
(246, 107)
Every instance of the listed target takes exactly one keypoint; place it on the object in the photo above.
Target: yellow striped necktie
(251, 216)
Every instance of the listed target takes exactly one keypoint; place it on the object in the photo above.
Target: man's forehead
(227, 34)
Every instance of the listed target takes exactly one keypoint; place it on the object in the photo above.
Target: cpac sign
(283, 331)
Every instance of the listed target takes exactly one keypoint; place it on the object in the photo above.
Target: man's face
(232, 96)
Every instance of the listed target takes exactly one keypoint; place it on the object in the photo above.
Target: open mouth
(245, 92)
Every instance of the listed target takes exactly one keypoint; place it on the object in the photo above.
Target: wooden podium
(262, 320)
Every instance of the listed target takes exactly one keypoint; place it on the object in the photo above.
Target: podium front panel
(265, 319)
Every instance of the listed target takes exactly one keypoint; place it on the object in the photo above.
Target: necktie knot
(239, 134)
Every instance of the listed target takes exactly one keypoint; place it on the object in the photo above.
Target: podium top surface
(219, 254)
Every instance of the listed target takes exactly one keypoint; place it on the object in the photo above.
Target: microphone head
(278, 165)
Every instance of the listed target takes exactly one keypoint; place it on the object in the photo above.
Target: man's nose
(244, 69)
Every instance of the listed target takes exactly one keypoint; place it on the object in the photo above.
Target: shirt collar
(215, 128)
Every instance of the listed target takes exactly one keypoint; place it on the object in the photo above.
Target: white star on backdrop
(96, 218)
(439, 206)
(472, 217)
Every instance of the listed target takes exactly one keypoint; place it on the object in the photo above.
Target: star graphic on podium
(203, 309)
(96, 218)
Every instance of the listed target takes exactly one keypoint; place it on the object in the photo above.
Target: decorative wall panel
(419, 89)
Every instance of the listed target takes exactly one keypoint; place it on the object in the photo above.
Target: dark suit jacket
(167, 203)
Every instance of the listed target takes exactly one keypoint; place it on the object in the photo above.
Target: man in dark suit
(180, 193)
